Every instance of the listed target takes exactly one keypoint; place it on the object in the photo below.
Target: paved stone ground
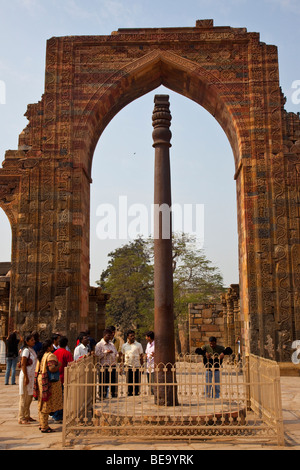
(28, 437)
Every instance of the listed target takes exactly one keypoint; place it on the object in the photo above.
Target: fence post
(278, 408)
(247, 381)
(65, 410)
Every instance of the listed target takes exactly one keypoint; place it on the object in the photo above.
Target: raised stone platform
(144, 409)
(288, 369)
(16, 437)
(120, 416)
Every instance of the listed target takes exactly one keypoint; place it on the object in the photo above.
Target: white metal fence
(234, 401)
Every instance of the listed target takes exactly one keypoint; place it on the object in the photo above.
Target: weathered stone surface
(59, 323)
(205, 320)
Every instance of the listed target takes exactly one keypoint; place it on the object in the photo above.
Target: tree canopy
(129, 281)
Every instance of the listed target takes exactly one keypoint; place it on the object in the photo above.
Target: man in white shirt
(55, 339)
(107, 354)
(82, 349)
(150, 359)
(132, 358)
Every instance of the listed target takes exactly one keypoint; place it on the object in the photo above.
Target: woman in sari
(26, 379)
(49, 393)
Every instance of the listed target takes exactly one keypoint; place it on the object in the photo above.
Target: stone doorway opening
(202, 168)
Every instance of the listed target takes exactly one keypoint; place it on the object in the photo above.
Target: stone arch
(176, 73)
(8, 279)
(9, 193)
(179, 74)
(9, 216)
(46, 182)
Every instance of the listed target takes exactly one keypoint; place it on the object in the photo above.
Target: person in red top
(64, 357)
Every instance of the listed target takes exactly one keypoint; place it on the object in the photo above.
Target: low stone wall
(205, 320)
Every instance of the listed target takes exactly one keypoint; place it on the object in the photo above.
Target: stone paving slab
(28, 437)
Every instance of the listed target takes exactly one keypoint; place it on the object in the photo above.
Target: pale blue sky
(201, 157)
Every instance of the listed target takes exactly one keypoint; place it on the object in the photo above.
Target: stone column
(224, 305)
(236, 317)
(163, 272)
(4, 306)
(230, 322)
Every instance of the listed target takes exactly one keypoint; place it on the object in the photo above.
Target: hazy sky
(201, 157)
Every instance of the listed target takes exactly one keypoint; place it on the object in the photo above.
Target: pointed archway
(181, 76)
(146, 74)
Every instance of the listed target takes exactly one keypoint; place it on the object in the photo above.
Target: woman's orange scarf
(42, 367)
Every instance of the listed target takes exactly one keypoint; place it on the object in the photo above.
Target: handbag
(29, 362)
(53, 376)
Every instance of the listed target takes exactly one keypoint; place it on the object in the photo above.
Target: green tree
(129, 281)
(195, 278)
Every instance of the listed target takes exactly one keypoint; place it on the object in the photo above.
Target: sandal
(31, 420)
(23, 421)
(47, 431)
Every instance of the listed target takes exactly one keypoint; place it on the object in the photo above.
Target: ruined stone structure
(205, 320)
(95, 317)
(233, 326)
(222, 320)
(4, 298)
(45, 184)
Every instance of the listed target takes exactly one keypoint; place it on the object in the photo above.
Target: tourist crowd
(42, 367)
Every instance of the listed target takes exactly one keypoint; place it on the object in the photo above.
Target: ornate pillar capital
(161, 121)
